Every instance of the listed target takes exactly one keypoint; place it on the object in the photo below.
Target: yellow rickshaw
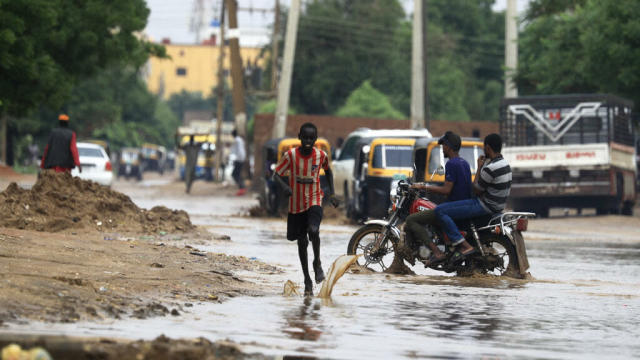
(429, 161)
(380, 162)
(272, 151)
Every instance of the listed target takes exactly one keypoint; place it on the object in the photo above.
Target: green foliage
(47, 45)
(186, 100)
(342, 43)
(588, 46)
(269, 107)
(366, 101)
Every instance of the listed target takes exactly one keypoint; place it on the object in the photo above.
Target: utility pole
(197, 22)
(417, 68)
(274, 47)
(511, 48)
(220, 95)
(284, 86)
(3, 138)
(236, 70)
(427, 119)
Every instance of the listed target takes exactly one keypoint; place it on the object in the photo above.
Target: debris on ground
(162, 347)
(59, 201)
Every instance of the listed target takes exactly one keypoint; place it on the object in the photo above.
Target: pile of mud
(59, 201)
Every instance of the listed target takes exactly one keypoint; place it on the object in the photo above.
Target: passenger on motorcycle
(492, 184)
(457, 186)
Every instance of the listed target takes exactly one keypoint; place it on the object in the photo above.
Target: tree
(366, 101)
(185, 100)
(47, 45)
(341, 44)
(585, 46)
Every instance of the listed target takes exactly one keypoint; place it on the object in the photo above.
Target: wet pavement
(583, 303)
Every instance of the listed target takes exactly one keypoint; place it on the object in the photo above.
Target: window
(89, 152)
(349, 148)
(181, 71)
(392, 156)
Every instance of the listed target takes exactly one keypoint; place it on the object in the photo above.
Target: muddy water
(584, 303)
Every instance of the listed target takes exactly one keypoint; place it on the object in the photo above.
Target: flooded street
(583, 303)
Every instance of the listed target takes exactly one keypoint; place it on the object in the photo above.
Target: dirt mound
(59, 201)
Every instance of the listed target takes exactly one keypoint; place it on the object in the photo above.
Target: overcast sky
(171, 19)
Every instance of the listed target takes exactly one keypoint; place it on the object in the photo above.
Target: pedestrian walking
(239, 156)
(191, 150)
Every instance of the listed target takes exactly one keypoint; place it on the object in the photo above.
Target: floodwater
(584, 302)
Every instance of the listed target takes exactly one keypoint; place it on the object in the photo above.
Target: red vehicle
(498, 238)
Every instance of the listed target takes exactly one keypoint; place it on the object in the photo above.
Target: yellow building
(192, 68)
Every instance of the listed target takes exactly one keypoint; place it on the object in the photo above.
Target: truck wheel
(601, 211)
(543, 212)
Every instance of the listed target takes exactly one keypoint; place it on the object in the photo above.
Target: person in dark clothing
(61, 152)
(191, 150)
(457, 186)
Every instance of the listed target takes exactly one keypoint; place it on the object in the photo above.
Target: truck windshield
(349, 148)
(392, 156)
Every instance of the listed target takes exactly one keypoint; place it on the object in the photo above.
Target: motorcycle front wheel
(363, 242)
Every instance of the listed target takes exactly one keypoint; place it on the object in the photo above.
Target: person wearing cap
(457, 186)
(61, 152)
(492, 185)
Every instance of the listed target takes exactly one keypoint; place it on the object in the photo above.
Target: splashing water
(337, 269)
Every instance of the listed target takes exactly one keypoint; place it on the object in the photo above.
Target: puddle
(584, 303)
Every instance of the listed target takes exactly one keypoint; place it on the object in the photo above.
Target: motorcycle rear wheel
(504, 260)
(362, 242)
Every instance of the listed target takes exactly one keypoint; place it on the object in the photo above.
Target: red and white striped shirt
(304, 177)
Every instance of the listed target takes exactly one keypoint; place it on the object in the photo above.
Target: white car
(342, 167)
(95, 162)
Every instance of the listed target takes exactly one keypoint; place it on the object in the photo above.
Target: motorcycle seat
(478, 221)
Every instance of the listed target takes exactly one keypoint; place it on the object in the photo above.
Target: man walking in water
(239, 156)
(303, 166)
(191, 150)
(61, 152)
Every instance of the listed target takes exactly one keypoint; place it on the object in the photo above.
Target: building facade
(194, 68)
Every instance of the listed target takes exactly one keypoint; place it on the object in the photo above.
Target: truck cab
(570, 151)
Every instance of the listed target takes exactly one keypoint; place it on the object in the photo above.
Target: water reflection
(303, 322)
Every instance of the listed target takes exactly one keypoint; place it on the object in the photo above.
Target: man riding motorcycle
(457, 186)
(492, 185)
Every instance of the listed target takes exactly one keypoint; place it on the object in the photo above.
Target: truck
(570, 151)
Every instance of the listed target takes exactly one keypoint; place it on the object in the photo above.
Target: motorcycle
(497, 238)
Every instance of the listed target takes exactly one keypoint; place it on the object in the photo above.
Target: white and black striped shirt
(495, 181)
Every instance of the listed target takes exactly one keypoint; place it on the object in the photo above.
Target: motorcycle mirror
(366, 148)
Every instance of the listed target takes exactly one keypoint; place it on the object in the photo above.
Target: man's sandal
(434, 260)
